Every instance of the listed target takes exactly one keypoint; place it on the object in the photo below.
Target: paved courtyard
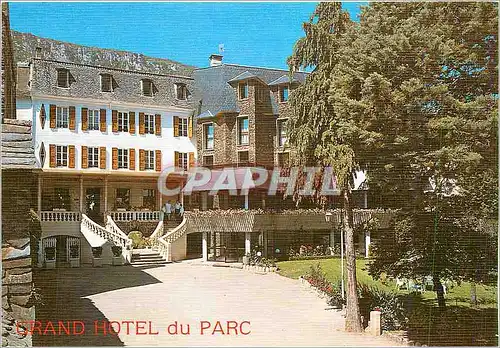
(280, 311)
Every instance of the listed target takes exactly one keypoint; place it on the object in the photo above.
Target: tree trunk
(473, 294)
(353, 316)
(438, 288)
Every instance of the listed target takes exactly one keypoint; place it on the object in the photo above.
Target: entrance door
(235, 246)
(61, 251)
(93, 204)
(194, 245)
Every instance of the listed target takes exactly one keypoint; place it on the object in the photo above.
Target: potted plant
(50, 257)
(117, 255)
(96, 259)
(74, 256)
(246, 259)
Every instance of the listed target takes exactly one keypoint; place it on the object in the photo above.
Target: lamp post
(329, 218)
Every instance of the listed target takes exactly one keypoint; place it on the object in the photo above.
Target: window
(283, 159)
(181, 92)
(262, 94)
(243, 131)
(182, 160)
(106, 83)
(284, 90)
(93, 157)
(61, 156)
(208, 161)
(62, 116)
(93, 119)
(242, 156)
(122, 158)
(147, 88)
(123, 122)
(149, 158)
(149, 198)
(122, 198)
(63, 78)
(62, 199)
(183, 127)
(149, 124)
(282, 132)
(243, 90)
(209, 136)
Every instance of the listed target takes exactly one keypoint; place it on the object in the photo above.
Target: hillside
(25, 45)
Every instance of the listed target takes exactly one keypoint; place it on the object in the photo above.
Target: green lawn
(458, 296)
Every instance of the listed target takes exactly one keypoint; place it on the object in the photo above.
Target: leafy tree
(313, 135)
(409, 95)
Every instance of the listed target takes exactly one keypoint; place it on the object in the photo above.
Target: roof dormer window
(107, 83)
(181, 91)
(147, 87)
(63, 78)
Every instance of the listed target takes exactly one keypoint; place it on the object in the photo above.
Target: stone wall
(18, 297)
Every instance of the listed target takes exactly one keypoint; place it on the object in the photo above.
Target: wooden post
(81, 194)
(105, 195)
(39, 193)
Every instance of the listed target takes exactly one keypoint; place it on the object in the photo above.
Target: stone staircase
(147, 257)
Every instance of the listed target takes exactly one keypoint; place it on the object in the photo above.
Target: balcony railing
(60, 216)
(135, 215)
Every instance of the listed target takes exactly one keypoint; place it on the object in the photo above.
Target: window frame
(279, 130)
(93, 158)
(111, 89)
(62, 156)
(123, 158)
(151, 198)
(205, 164)
(62, 121)
(240, 132)
(206, 137)
(184, 157)
(151, 86)
(248, 156)
(281, 90)
(183, 122)
(183, 88)
(149, 124)
(59, 71)
(94, 119)
(243, 86)
(149, 160)
(121, 124)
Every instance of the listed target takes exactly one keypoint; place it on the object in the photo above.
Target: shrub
(390, 303)
(116, 250)
(97, 252)
(74, 251)
(50, 253)
(316, 277)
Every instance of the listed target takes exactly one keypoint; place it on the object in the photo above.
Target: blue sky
(260, 34)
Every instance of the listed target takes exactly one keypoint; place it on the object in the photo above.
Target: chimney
(215, 59)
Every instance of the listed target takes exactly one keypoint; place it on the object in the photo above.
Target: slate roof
(217, 95)
(299, 78)
(245, 76)
(17, 145)
(86, 84)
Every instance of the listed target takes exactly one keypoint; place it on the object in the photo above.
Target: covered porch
(64, 197)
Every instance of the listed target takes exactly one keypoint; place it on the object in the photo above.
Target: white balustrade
(139, 215)
(60, 216)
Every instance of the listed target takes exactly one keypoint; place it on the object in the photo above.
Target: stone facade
(8, 68)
